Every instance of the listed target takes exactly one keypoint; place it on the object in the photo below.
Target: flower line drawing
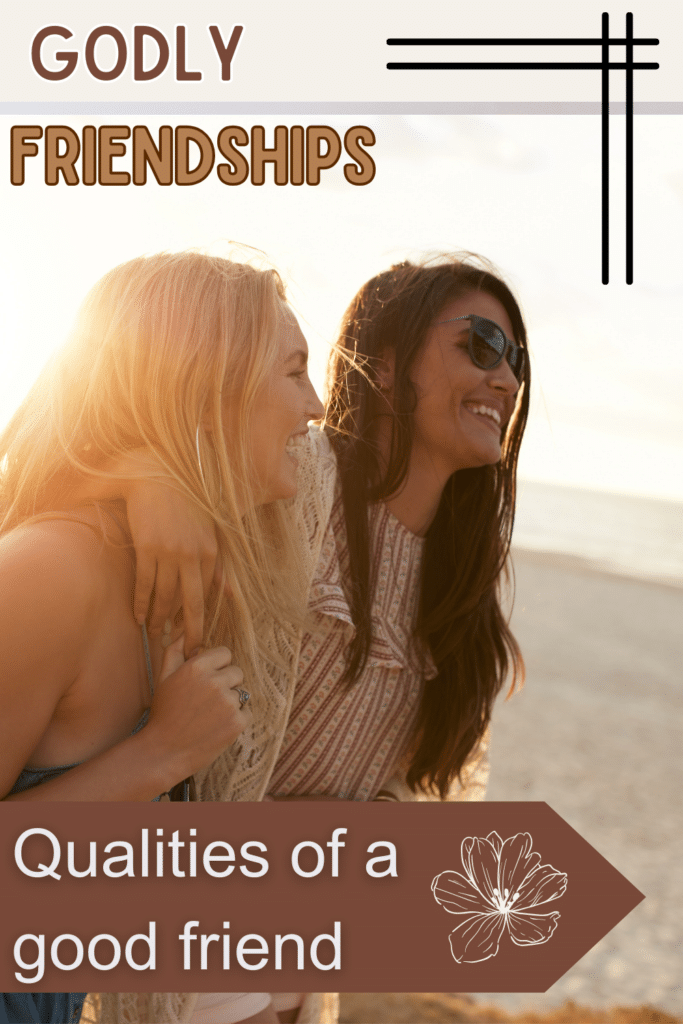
(503, 884)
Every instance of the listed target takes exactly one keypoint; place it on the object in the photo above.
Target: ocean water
(632, 536)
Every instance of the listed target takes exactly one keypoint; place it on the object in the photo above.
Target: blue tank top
(41, 1007)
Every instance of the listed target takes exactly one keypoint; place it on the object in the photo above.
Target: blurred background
(598, 544)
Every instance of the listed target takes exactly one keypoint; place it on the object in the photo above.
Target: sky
(523, 190)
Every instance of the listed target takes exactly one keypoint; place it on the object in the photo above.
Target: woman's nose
(503, 379)
(316, 409)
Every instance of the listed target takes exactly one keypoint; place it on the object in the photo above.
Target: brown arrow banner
(486, 897)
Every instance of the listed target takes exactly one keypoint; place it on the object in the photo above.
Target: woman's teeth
(485, 410)
(293, 444)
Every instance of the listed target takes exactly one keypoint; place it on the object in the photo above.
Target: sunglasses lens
(516, 361)
(488, 344)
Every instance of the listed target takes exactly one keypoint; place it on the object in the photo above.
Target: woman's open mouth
(488, 414)
(293, 443)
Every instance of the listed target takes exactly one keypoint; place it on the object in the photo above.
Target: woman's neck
(416, 502)
(415, 505)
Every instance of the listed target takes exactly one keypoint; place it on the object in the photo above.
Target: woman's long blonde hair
(165, 350)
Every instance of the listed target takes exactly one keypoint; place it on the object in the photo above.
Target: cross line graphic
(604, 65)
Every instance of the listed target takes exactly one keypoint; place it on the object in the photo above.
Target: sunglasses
(488, 346)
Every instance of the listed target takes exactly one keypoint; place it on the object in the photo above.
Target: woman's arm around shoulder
(175, 540)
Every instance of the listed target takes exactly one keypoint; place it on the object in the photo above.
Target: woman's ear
(384, 368)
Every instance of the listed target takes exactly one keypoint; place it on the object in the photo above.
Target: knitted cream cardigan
(247, 775)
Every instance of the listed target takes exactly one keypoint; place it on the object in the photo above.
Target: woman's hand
(196, 712)
(55, 597)
(195, 715)
(174, 542)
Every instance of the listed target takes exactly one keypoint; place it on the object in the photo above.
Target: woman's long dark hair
(459, 613)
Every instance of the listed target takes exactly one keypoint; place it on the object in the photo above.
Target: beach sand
(596, 732)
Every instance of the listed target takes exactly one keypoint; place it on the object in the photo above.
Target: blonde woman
(198, 361)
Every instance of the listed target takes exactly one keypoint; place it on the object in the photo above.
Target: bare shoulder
(51, 599)
(51, 571)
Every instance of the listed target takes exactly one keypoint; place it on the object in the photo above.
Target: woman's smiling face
(284, 404)
(461, 410)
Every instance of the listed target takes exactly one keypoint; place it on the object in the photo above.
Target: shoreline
(595, 733)
(562, 560)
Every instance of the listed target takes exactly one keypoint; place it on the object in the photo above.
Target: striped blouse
(345, 743)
